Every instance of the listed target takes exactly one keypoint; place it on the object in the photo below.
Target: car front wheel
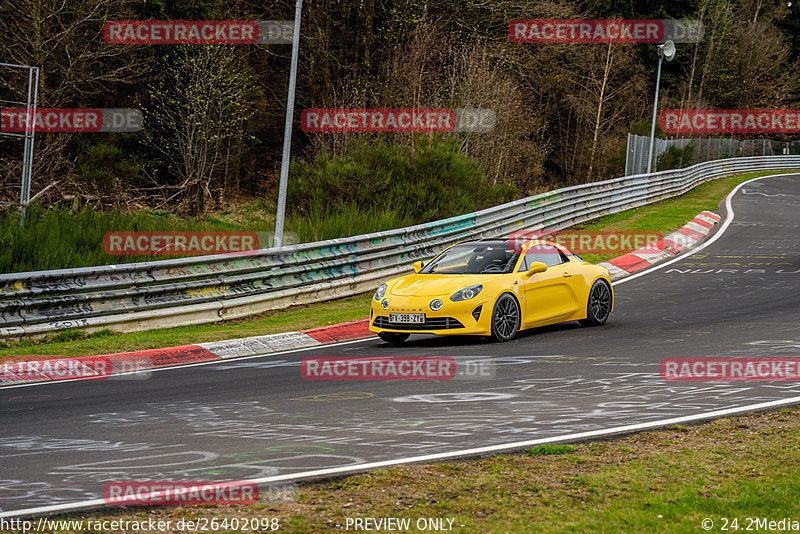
(505, 318)
(598, 307)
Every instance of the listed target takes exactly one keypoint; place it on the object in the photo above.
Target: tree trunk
(599, 115)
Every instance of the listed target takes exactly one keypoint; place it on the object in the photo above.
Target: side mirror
(418, 266)
(535, 267)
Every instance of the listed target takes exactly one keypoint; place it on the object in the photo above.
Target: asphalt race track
(256, 418)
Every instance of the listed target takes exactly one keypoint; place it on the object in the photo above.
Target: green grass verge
(665, 216)
(661, 481)
(58, 238)
(544, 450)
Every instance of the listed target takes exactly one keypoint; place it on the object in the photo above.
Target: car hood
(436, 285)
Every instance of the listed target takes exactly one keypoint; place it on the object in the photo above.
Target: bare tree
(78, 67)
(198, 107)
(601, 99)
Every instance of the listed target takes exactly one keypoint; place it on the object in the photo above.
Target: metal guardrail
(139, 296)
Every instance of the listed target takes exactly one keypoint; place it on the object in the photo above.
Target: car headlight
(380, 292)
(467, 293)
(436, 304)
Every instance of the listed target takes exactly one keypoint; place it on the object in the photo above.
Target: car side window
(547, 254)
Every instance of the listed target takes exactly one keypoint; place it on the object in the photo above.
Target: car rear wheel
(505, 318)
(598, 308)
(392, 338)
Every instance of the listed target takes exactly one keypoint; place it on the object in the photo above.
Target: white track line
(477, 451)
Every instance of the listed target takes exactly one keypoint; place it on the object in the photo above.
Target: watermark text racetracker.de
(711, 121)
(179, 493)
(397, 368)
(228, 32)
(124, 367)
(77, 120)
(555, 31)
(723, 369)
(195, 524)
(432, 120)
(179, 243)
(589, 241)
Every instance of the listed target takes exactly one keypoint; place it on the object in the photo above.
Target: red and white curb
(26, 370)
(675, 243)
(249, 346)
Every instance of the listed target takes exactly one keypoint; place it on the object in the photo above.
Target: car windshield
(474, 258)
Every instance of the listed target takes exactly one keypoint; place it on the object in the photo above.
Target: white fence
(704, 149)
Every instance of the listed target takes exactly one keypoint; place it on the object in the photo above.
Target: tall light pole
(287, 130)
(666, 50)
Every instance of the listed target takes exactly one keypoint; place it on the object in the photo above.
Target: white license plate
(413, 318)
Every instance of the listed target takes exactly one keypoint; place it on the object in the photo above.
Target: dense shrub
(676, 158)
(427, 181)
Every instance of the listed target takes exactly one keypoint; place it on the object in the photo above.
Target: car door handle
(566, 274)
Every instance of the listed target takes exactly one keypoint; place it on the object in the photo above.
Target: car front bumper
(468, 317)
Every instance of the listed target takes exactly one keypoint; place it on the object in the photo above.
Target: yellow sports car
(492, 287)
